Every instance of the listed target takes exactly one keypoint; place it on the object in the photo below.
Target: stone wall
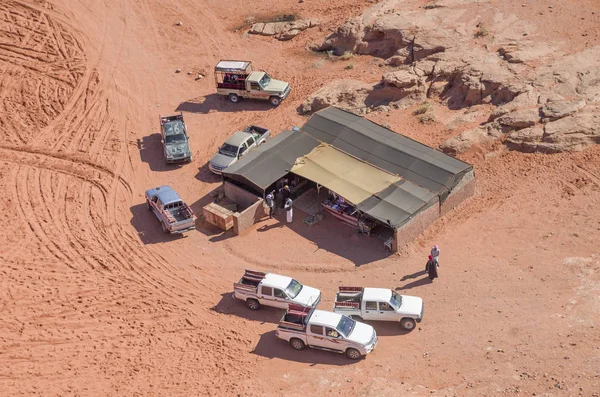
(241, 197)
(461, 192)
(245, 219)
(413, 228)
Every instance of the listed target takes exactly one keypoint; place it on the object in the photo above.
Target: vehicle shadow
(269, 346)
(147, 226)
(206, 175)
(151, 152)
(388, 328)
(417, 283)
(236, 307)
(220, 103)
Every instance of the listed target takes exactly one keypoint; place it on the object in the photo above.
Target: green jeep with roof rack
(236, 80)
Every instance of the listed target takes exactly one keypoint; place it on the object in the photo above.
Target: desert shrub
(346, 55)
(427, 118)
(432, 5)
(349, 66)
(422, 109)
(481, 31)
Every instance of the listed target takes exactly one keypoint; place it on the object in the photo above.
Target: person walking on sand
(435, 253)
(289, 210)
(270, 200)
(432, 268)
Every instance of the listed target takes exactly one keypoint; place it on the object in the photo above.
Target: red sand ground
(95, 300)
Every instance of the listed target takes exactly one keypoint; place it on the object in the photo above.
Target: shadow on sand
(331, 235)
(230, 305)
(418, 283)
(151, 152)
(220, 103)
(206, 175)
(387, 328)
(270, 346)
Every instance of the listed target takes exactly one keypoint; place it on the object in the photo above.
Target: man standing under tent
(289, 210)
(270, 200)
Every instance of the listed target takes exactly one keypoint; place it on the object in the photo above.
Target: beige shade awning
(347, 176)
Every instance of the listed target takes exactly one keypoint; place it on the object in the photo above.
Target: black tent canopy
(424, 176)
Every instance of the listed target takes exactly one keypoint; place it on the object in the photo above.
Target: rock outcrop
(346, 94)
(545, 101)
(282, 30)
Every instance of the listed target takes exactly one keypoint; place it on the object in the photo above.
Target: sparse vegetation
(346, 55)
(349, 66)
(427, 118)
(251, 20)
(423, 108)
(318, 63)
(432, 5)
(481, 31)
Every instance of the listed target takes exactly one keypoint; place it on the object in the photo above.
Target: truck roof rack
(254, 275)
(351, 289)
(229, 65)
(299, 310)
(164, 119)
(347, 304)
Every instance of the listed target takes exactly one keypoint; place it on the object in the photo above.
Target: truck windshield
(346, 325)
(228, 150)
(175, 138)
(293, 289)
(396, 300)
(264, 82)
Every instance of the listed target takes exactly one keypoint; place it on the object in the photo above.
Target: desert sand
(95, 300)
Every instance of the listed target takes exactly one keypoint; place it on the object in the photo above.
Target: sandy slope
(95, 300)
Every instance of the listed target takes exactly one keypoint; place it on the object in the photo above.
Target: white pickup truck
(381, 304)
(305, 326)
(258, 288)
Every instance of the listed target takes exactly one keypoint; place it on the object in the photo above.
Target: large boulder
(525, 140)
(282, 30)
(519, 119)
(552, 111)
(466, 139)
(346, 94)
(400, 79)
(345, 39)
(573, 133)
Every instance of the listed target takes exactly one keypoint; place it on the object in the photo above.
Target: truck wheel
(252, 304)
(234, 98)
(356, 318)
(164, 228)
(275, 101)
(297, 344)
(148, 205)
(353, 354)
(408, 324)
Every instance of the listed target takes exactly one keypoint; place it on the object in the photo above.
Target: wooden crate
(219, 216)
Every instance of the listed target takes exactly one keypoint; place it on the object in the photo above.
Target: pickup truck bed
(180, 214)
(257, 132)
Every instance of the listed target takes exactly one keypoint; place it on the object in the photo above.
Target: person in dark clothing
(285, 193)
(432, 268)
